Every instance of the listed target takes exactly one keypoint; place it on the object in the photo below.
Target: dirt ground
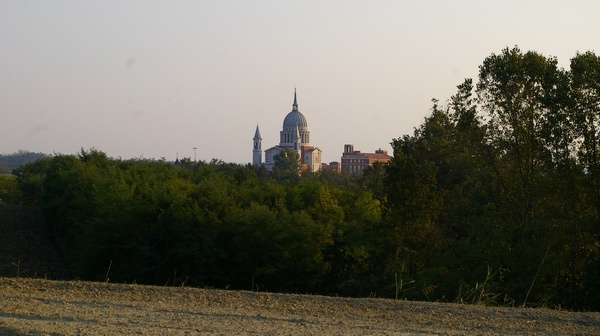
(44, 307)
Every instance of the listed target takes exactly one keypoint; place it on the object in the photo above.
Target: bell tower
(257, 149)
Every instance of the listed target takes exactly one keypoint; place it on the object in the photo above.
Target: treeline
(494, 199)
(206, 224)
(9, 162)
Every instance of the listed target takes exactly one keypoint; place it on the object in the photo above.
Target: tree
(287, 165)
(582, 253)
(373, 179)
(8, 188)
(516, 91)
(585, 79)
(412, 206)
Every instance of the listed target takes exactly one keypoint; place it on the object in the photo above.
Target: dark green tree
(515, 90)
(585, 82)
(413, 203)
(287, 165)
(581, 255)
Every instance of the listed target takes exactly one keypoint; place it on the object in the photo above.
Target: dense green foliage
(8, 187)
(494, 199)
(205, 224)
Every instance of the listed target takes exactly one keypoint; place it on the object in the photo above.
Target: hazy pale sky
(154, 78)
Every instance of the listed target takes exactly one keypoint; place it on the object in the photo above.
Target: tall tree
(580, 279)
(515, 91)
(413, 201)
(585, 79)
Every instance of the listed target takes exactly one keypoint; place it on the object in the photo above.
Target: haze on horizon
(137, 79)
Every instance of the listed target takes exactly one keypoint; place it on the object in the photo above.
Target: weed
(18, 266)
(479, 294)
(535, 277)
(106, 278)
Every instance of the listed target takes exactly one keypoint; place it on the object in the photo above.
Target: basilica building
(294, 136)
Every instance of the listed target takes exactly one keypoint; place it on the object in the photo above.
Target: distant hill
(8, 162)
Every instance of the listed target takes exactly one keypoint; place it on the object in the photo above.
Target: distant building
(354, 162)
(295, 136)
(333, 166)
(257, 151)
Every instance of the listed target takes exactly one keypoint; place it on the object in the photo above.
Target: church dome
(294, 119)
(294, 126)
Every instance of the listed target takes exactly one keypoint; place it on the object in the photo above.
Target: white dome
(294, 119)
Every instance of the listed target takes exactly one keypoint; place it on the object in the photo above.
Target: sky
(154, 79)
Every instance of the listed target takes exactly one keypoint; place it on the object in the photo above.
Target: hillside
(42, 307)
(8, 162)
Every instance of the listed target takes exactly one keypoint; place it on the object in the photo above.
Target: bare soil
(45, 307)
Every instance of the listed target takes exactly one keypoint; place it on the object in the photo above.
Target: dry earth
(44, 307)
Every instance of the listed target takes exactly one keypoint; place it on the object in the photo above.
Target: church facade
(293, 136)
